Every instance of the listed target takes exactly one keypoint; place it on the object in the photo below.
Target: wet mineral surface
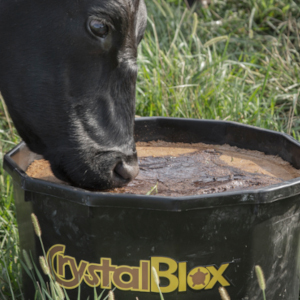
(178, 169)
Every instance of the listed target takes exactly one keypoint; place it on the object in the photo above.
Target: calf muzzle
(125, 171)
(92, 171)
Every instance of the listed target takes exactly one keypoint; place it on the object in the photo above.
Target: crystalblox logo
(134, 278)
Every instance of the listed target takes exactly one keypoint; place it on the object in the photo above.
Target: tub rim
(264, 195)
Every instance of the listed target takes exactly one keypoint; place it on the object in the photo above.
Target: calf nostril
(125, 171)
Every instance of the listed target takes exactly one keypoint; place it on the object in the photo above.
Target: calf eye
(98, 28)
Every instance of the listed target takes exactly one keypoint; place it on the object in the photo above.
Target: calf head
(68, 74)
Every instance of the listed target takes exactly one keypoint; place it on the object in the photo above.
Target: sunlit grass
(238, 62)
(9, 250)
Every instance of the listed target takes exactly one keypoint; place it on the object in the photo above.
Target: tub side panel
(275, 247)
(27, 238)
(217, 245)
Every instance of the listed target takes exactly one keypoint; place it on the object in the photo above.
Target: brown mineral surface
(179, 169)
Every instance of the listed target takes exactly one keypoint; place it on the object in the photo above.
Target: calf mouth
(103, 171)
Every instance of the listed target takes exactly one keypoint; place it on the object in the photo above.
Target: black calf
(68, 73)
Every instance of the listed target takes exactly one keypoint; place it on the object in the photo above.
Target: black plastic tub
(197, 243)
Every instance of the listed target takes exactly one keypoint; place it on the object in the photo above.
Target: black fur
(71, 95)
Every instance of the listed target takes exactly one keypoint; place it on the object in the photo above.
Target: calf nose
(125, 171)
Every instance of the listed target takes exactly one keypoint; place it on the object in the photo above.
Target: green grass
(251, 75)
(9, 251)
(235, 60)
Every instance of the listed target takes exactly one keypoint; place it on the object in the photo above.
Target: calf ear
(190, 3)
